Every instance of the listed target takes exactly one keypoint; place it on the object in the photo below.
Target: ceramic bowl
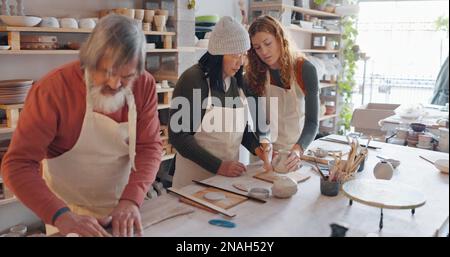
(68, 23)
(86, 23)
(442, 165)
(49, 22)
(418, 127)
(20, 21)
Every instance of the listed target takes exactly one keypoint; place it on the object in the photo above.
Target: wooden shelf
(311, 12)
(314, 31)
(328, 97)
(36, 52)
(319, 51)
(170, 77)
(163, 106)
(8, 201)
(66, 30)
(168, 157)
(164, 90)
(326, 117)
(6, 131)
(326, 84)
(69, 52)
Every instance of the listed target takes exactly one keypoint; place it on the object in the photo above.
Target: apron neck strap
(89, 102)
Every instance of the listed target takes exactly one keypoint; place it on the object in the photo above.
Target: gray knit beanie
(228, 37)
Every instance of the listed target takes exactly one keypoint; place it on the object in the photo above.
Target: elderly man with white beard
(87, 145)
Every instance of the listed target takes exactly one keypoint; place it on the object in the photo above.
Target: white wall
(219, 7)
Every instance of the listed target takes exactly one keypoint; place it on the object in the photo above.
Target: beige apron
(91, 177)
(223, 145)
(290, 116)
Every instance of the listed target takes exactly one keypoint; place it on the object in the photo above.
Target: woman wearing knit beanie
(209, 143)
(275, 70)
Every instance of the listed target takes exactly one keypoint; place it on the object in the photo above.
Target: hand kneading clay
(284, 187)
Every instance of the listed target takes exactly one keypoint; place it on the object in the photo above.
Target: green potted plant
(346, 81)
(319, 4)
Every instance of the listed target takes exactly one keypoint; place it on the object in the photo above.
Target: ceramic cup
(120, 11)
(162, 12)
(69, 23)
(425, 139)
(402, 133)
(165, 84)
(49, 22)
(139, 14)
(146, 26)
(160, 22)
(103, 13)
(148, 15)
(86, 23)
(125, 12)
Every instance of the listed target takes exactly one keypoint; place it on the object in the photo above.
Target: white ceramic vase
(383, 170)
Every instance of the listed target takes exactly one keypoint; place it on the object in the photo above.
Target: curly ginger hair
(256, 69)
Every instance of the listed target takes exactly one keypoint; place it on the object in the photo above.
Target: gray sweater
(184, 142)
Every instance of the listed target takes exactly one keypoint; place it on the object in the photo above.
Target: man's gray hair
(117, 36)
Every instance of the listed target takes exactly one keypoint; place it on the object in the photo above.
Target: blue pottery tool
(222, 223)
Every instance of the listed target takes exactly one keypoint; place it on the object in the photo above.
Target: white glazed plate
(4, 47)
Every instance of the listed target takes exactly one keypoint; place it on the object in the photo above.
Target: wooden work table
(308, 213)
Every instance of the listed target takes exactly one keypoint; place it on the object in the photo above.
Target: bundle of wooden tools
(343, 170)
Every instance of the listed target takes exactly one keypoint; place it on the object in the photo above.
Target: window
(404, 48)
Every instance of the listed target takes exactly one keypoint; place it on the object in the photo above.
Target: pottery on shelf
(5, 5)
(20, 8)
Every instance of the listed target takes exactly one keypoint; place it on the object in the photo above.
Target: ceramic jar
(383, 170)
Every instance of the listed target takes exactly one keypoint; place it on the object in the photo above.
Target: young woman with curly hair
(274, 69)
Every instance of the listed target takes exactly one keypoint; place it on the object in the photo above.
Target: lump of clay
(284, 187)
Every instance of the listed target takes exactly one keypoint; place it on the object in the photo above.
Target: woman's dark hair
(212, 66)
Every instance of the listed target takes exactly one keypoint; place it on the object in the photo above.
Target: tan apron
(290, 116)
(223, 145)
(91, 177)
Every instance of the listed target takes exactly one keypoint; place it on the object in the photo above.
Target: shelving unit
(314, 31)
(280, 5)
(303, 37)
(14, 33)
(163, 63)
(182, 21)
(68, 52)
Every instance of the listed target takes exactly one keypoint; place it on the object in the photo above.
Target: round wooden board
(383, 194)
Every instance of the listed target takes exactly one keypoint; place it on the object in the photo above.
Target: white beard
(107, 103)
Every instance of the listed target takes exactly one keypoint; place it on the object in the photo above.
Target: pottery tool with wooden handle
(313, 159)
